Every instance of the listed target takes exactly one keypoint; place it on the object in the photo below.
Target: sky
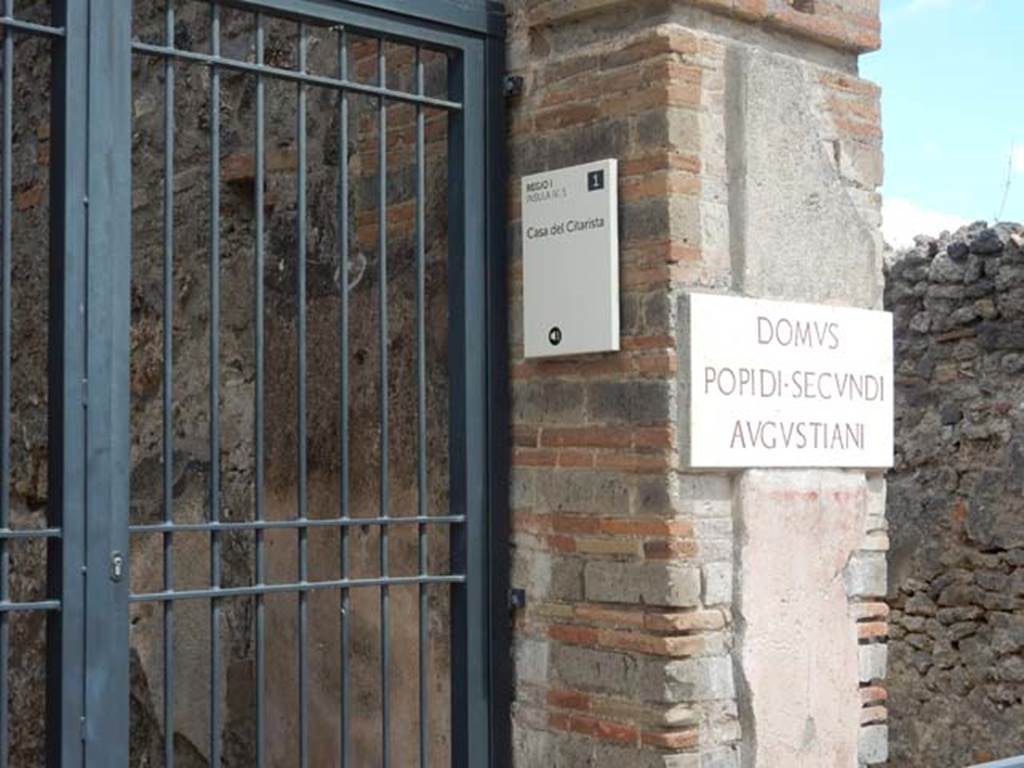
(952, 77)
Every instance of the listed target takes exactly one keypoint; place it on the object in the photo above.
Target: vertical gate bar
(108, 372)
(301, 430)
(467, 246)
(421, 397)
(65, 557)
(261, 662)
(344, 383)
(382, 259)
(5, 380)
(499, 691)
(214, 500)
(168, 399)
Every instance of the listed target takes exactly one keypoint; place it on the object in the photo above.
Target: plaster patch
(798, 643)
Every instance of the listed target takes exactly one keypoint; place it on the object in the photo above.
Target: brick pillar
(678, 619)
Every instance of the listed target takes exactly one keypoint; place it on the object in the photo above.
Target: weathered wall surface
(659, 629)
(28, 483)
(235, 358)
(810, 584)
(955, 499)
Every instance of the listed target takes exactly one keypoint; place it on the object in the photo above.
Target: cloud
(1018, 159)
(902, 220)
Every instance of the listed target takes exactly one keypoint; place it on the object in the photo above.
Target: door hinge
(81, 728)
(516, 599)
(512, 85)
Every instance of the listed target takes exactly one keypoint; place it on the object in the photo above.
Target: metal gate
(271, 519)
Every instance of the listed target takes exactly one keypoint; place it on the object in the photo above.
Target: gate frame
(484, 17)
(65, 557)
(88, 417)
(500, 659)
(88, 648)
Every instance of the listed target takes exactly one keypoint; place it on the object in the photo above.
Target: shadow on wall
(191, 408)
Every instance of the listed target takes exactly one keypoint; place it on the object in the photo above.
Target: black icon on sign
(555, 336)
(595, 181)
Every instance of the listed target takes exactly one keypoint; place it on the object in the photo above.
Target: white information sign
(571, 260)
(780, 384)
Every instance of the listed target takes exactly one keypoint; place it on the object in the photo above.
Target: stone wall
(30, 275)
(676, 618)
(956, 506)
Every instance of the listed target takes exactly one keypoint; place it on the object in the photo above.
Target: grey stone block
(538, 402)
(598, 492)
(547, 577)
(717, 579)
(872, 662)
(704, 678)
(725, 757)
(531, 660)
(865, 575)
(873, 744)
(648, 583)
(631, 402)
(592, 669)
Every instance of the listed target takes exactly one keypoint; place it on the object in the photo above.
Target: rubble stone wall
(956, 499)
